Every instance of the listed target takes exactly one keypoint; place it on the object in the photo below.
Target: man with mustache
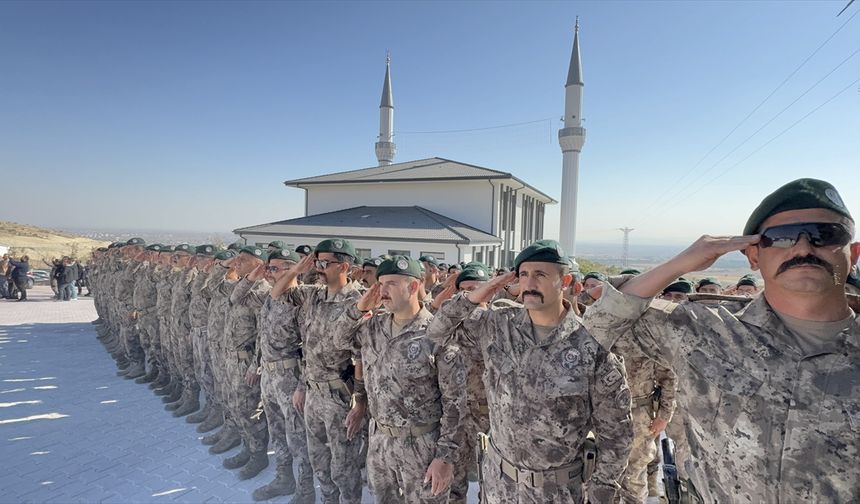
(548, 383)
(770, 392)
(333, 415)
(414, 388)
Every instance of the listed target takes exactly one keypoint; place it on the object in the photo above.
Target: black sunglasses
(819, 234)
(320, 264)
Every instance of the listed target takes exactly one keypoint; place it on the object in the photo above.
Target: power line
(762, 146)
(475, 129)
(750, 114)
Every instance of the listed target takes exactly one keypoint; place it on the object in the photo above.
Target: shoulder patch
(610, 379)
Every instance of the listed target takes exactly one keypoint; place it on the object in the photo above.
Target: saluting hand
(258, 273)
(439, 475)
(371, 299)
(305, 265)
(449, 288)
(705, 251)
(485, 293)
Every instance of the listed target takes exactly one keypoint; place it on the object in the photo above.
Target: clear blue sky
(190, 115)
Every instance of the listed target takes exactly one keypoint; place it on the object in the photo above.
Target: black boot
(213, 421)
(238, 460)
(201, 415)
(283, 484)
(136, 370)
(227, 442)
(259, 461)
(175, 395)
(162, 381)
(149, 377)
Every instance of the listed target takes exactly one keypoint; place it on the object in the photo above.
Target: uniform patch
(480, 273)
(622, 399)
(337, 244)
(402, 264)
(834, 197)
(611, 379)
(450, 356)
(413, 351)
(570, 359)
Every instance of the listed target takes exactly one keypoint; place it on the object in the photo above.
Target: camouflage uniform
(414, 395)
(180, 333)
(143, 299)
(643, 374)
(219, 290)
(123, 295)
(335, 458)
(198, 315)
(544, 397)
(162, 307)
(765, 423)
(279, 351)
(240, 335)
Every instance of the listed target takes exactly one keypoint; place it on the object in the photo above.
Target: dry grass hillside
(40, 243)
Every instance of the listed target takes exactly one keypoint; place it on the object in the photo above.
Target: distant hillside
(40, 243)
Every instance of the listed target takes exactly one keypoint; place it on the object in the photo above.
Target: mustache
(801, 260)
(533, 293)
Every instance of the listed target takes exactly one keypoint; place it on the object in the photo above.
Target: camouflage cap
(429, 259)
(708, 281)
(680, 285)
(305, 249)
(136, 241)
(277, 244)
(473, 271)
(336, 246)
(800, 194)
(399, 265)
(749, 280)
(284, 255)
(542, 251)
(255, 251)
(235, 246)
(183, 247)
(155, 247)
(206, 250)
(595, 275)
(223, 255)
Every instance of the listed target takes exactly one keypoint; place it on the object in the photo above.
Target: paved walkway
(72, 431)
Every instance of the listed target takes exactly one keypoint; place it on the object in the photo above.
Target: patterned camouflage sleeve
(613, 426)
(454, 312)
(667, 380)
(451, 369)
(219, 277)
(299, 294)
(348, 328)
(248, 293)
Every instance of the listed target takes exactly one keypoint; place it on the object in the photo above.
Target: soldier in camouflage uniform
(333, 449)
(548, 383)
(181, 277)
(240, 334)
(414, 388)
(144, 298)
(172, 391)
(123, 294)
(279, 354)
(198, 316)
(769, 392)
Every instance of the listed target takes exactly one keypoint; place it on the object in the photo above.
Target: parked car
(41, 275)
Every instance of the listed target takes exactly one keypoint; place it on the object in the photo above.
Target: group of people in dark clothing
(68, 278)
(13, 277)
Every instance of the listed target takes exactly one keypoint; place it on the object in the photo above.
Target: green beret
(183, 247)
(455, 266)
(542, 251)
(473, 271)
(798, 195)
(167, 248)
(708, 281)
(277, 244)
(305, 249)
(429, 259)
(285, 255)
(398, 265)
(372, 261)
(631, 271)
(207, 250)
(336, 246)
(595, 275)
(155, 247)
(223, 255)
(235, 246)
(680, 285)
(255, 251)
(116, 245)
(136, 241)
(747, 280)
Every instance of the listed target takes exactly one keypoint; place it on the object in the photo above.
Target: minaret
(385, 148)
(571, 138)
